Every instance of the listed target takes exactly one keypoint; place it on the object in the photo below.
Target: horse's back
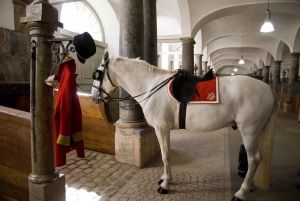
(251, 99)
(241, 99)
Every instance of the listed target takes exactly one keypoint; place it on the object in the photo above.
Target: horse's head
(103, 86)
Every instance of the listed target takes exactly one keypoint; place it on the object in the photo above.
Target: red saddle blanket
(208, 91)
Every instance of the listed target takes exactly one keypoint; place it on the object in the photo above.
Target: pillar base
(52, 191)
(287, 107)
(135, 146)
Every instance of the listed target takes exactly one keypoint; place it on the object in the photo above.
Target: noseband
(98, 75)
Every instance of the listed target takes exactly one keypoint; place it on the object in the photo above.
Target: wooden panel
(98, 132)
(296, 102)
(9, 192)
(15, 161)
(15, 130)
(14, 177)
(15, 155)
(14, 115)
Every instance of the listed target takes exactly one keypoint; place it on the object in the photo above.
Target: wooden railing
(296, 102)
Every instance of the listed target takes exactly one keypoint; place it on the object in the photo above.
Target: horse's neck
(137, 79)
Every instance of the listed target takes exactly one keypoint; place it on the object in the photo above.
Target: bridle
(98, 75)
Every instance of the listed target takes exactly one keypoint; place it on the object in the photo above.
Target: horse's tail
(266, 141)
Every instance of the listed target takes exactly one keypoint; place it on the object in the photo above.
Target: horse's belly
(207, 117)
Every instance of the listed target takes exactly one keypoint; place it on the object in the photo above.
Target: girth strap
(182, 115)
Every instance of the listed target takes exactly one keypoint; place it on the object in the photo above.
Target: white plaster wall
(198, 46)
(7, 14)
(110, 25)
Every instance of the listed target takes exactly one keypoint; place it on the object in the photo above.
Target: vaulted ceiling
(218, 27)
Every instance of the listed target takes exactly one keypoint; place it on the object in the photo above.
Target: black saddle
(184, 86)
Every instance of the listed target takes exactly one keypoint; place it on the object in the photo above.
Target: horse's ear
(105, 57)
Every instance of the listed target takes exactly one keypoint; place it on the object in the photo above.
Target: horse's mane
(144, 64)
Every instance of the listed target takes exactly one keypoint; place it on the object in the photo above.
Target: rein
(108, 98)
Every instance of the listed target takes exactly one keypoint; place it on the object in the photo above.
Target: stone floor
(200, 169)
(204, 167)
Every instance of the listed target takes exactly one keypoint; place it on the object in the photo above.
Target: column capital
(43, 12)
(267, 67)
(199, 55)
(22, 2)
(277, 62)
(295, 54)
(188, 40)
(40, 1)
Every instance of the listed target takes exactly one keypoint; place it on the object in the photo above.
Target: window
(78, 17)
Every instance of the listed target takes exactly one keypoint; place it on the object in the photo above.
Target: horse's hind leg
(163, 136)
(254, 157)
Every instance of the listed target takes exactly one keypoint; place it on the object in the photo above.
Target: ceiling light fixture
(242, 60)
(267, 26)
(232, 73)
(235, 69)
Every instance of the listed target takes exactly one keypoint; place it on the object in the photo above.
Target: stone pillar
(254, 73)
(199, 64)
(259, 72)
(204, 64)
(208, 68)
(266, 74)
(281, 93)
(188, 53)
(132, 132)
(158, 60)
(150, 32)
(276, 74)
(45, 183)
(131, 45)
(293, 76)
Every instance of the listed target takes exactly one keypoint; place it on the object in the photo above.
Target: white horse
(244, 102)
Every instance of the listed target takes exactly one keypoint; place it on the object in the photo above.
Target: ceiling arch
(250, 41)
(208, 11)
(257, 52)
(249, 24)
(228, 69)
(232, 62)
(249, 57)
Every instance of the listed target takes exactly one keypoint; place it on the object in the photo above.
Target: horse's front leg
(163, 136)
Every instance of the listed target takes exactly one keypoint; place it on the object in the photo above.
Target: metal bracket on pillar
(59, 50)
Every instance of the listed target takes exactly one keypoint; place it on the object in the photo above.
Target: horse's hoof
(160, 181)
(162, 191)
(236, 199)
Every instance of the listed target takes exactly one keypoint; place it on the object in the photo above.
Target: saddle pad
(208, 91)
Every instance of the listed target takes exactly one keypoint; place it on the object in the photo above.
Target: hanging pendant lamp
(267, 26)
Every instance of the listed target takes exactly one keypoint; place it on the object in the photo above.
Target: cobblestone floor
(200, 169)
